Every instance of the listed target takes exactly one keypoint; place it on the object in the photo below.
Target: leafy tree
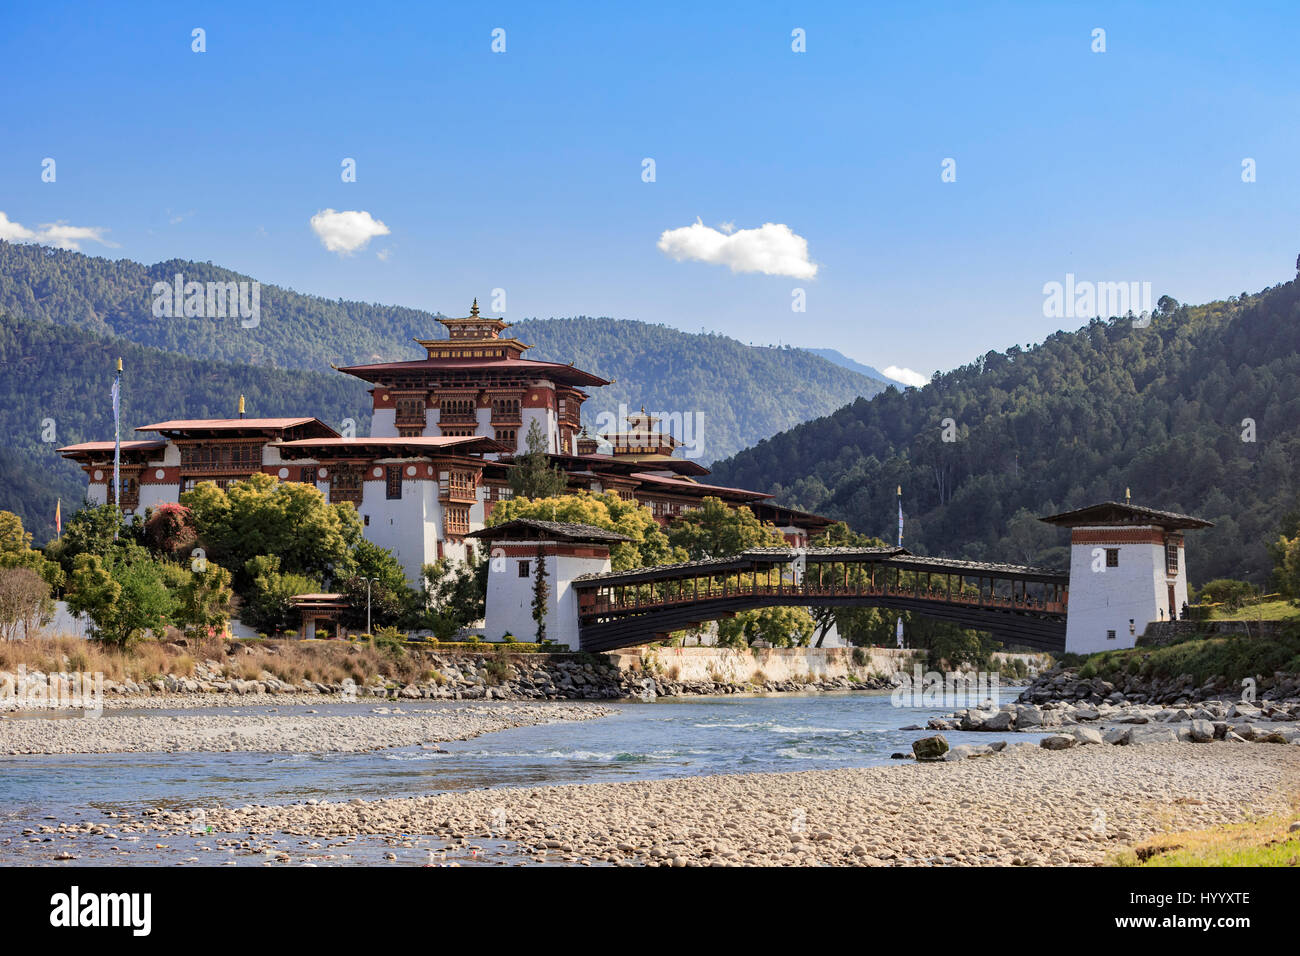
(391, 600)
(267, 605)
(1287, 572)
(170, 530)
(715, 530)
(857, 625)
(203, 601)
(12, 536)
(779, 626)
(533, 475)
(94, 529)
(1226, 591)
(455, 593)
(263, 516)
(49, 571)
(649, 545)
(123, 598)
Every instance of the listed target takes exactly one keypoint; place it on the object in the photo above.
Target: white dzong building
(444, 429)
(1128, 568)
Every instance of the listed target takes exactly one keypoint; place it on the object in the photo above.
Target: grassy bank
(1229, 656)
(1266, 842)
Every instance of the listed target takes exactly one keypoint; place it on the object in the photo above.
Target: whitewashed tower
(567, 551)
(1127, 568)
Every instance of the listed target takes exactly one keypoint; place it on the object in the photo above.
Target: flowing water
(673, 737)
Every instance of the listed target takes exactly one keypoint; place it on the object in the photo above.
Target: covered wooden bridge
(1016, 604)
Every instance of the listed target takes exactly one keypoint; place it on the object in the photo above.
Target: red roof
(230, 424)
(684, 485)
(565, 373)
(87, 447)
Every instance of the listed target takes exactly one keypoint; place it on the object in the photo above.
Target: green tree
(533, 474)
(263, 516)
(715, 530)
(94, 529)
(649, 545)
(455, 593)
(267, 606)
(12, 536)
(391, 600)
(203, 601)
(124, 598)
(541, 595)
(779, 626)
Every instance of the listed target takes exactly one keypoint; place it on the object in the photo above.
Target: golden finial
(119, 365)
(241, 406)
(473, 309)
(1128, 496)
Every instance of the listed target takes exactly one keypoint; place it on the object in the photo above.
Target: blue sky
(522, 170)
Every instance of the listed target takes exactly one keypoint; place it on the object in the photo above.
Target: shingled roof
(1112, 513)
(532, 529)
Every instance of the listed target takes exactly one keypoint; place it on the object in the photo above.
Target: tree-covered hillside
(1162, 410)
(744, 393)
(59, 377)
(741, 393)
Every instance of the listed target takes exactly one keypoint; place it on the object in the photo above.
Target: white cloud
(58, 234)
(772, 249)
(346, 232)
(906, 376)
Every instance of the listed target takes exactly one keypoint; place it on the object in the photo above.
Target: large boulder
(1086, 735)
(1202, 730)
(1029, 716)
(930, 748)
(1002, 720)
(1153, 735)
(1057, 742)
(1117, 735)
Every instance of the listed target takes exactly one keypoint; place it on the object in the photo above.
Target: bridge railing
(590, 604)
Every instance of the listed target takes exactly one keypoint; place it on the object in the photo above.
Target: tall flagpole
(117, 437)
(898, 633)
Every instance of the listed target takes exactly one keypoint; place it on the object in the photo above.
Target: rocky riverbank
(456, 677)
(298, 732)
(1067, 685)
(1023, 806)
(1123, 722)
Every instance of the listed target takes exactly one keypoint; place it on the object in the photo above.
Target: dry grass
(290, 661)
(1268, 841)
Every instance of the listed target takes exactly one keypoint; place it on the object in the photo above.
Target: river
(672, 737)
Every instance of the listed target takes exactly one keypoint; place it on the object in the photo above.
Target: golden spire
(1128, 496)
(119, 365)
(241, 406)
(473, 309)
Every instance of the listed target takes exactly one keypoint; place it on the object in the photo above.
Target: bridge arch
(1017, 604)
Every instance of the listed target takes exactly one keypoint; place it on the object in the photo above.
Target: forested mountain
(1162, 410)
(60, 376)
(744, 393)
(741, 393)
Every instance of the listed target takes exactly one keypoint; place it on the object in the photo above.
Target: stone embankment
(1113, 720)
(1067, 685)
(467, 677)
